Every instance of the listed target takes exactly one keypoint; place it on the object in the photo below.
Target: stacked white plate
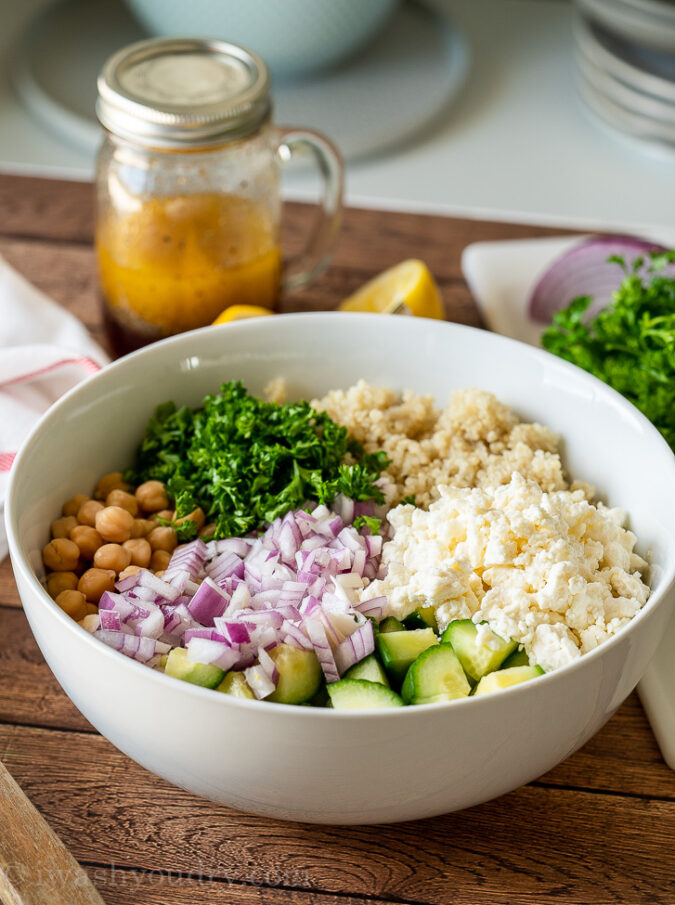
(625, 64)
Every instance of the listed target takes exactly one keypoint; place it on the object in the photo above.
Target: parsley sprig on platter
(630, 344)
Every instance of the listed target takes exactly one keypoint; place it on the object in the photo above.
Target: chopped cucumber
(235, 684)
(391, 624)
(436, 675)
(517, 658)
(424, 617)
(505, 678)
(359, 694)
(398, 650)
(370, 669)
(477, 659)
(204, 674)
(300, 675)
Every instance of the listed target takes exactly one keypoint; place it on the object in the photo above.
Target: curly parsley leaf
(245, 461)
(631, 343)
(371, 522)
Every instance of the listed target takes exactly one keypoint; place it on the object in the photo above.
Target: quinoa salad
(364, 550)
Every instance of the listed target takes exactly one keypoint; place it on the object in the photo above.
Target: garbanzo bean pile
(101, 539)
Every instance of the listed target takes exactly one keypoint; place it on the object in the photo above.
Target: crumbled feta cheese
(550, 570)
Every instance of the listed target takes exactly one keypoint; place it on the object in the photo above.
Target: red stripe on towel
(87, 363)
(6, 461)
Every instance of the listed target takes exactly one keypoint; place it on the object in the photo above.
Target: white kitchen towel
(44, 351)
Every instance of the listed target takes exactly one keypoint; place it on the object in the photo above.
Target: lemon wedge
(239, 312)
(406, 288)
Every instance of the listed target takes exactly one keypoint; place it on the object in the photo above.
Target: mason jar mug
(188, 189)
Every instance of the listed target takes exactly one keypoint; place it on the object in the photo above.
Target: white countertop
(517, 144)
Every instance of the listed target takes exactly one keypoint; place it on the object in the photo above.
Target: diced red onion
(134, 646)
(355, 647)
(240, 546)
(317, 635)
(373, 544)
(216, 653)
(260, 683)
(162, 588)
(209, 601)
(237, 632)
(152, 625)
(374, 608)
(126, 584)
(110, 620)
(269, 666)
(209, 633)
(289, 630)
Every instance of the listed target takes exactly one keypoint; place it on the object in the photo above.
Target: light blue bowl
(294, 37)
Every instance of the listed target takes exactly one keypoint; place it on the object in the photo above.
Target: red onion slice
(317, 635)
(217, 653)
(260, 683)
(358, 645)
(209, 601)
(584, 270)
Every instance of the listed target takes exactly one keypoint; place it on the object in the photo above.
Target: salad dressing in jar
(188, 189)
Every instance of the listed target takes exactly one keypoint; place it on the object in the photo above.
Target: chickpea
(160, 560)
(112, 556)
(140, 551)
(87, 539)
(73, 603)
(124, 500)
(94, 582)
(92, 609)
(166, 514)
(163, 538)
(86, 514)
(61, 555)
(197, 516)
(207, 532)
(111, 481)
(63, 526)
(114, 524)
(130, 570)
(72, 507)
(151, 496)
(61, 581)
(142, 527)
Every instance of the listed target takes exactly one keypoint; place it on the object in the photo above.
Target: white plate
(501, 276)
(650, 22)
(389, 92)
(649, 72)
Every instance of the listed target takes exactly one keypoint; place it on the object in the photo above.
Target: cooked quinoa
(475, 441)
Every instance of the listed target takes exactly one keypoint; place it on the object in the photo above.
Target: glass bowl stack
(625, 65)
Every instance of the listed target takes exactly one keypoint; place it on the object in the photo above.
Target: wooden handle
(35, 866)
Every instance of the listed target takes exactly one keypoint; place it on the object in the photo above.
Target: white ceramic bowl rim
(262, 706)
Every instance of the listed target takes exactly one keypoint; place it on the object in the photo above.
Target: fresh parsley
(631, 343)
(246, 461)
(371, 522)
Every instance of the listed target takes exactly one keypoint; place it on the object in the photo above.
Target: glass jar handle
(306, 267)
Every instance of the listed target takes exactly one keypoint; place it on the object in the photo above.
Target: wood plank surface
(596, 829)
(107, 809)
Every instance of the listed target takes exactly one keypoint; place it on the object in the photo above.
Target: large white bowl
(318, 765)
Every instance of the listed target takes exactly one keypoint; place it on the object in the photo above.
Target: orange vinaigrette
(174, 263)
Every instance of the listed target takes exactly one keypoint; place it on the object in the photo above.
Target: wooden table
(597, 829)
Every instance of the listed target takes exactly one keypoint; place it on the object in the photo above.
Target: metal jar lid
(181, 92)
